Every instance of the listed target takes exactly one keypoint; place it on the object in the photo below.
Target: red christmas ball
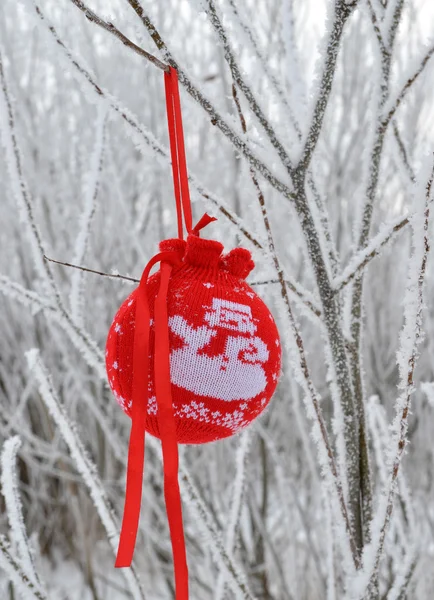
(225, 353)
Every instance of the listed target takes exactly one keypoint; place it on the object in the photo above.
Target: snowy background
(337, 100)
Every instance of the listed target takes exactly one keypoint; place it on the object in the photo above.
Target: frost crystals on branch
(21, 569)
(410, 339)
(85, 466)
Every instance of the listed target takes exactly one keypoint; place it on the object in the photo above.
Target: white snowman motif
(237, 373)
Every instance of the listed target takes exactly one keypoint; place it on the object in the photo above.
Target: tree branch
(304, 369)
(342, 12)
(94, 18)
(410, 337)
(215, 20)
(141, 131)
(386, 118)
(360, 261)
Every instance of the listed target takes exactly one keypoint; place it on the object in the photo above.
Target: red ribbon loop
(177, 151)
(162, 382)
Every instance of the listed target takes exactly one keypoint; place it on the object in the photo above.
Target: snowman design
(235, 374)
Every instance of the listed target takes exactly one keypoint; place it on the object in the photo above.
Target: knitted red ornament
(193, 354)
(224, 345)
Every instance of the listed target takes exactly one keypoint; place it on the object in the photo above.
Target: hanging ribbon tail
(136, 449)
(167, 429)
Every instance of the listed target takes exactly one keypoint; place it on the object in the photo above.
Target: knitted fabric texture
(225, 353)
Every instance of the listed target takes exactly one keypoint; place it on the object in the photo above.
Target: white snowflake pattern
(152, 405)
(208, 285)
(118, 329)
(121, 400)
(234, 421)
(199, 412)
(115, 365)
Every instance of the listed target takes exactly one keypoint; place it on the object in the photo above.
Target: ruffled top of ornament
(208, 254)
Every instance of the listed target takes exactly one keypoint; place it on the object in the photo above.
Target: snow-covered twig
(342, 12)
(235, 577)
(325, 451)
(276, 83)
(89, 207)
(373, 249)
(197, 95)
(389, 111)
(25, 204)
(403, 151)
(407, 357)
(94, 18)
(145, 135)
(214, 17)
(27, 298)
(84, 465)
(14, 509)
(19, 185)
(236, 503)
(26, 588)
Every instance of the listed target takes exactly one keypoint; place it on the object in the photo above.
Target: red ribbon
(163, 392)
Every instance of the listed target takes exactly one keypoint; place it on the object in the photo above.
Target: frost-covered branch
(372, 250)
(197, 95)
(27, 589)
(14, 510)
(241, 83)
(276, 83)
(342, 12)
(301, 367)
(84, 465)
(235, 577)
(355, 347)
(140, 131)
(89, 207)
(94, 18)
(19, 185)
(389, 111)
(26, 210)
(403, 151)
(407, 358)
(236, 503)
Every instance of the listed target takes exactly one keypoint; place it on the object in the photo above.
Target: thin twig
(408, 386)
(342, 12)
(87, 270)
(403, 151)
(140, 130)
(406, 87)
(211, 10)
(196, 94)
(355, 347)
(345, 279)
(94, 18)
(310, 387)
(309, 304)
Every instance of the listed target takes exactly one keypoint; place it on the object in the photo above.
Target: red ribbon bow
(166, 420)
